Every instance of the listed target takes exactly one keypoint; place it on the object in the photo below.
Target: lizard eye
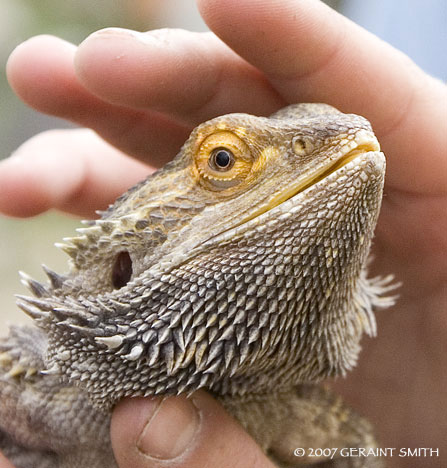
(221, 159)
(121, 270)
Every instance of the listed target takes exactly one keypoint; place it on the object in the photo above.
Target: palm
(401, 380)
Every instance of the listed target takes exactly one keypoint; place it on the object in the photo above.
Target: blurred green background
(414, 26)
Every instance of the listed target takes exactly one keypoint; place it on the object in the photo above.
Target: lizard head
(239, 266)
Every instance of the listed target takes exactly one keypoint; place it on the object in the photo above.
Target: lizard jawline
(314, 178)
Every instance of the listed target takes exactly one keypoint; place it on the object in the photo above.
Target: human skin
(269, 53)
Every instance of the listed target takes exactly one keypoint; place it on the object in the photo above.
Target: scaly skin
(239, 267)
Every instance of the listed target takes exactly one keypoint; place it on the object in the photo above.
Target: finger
(72, 170)
(192, 76)
(181, 433)
(311, 53)
(41, 72)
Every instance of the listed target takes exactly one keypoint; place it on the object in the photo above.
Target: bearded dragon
(239, 267)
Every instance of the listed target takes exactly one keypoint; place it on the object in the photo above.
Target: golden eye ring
(223, 160)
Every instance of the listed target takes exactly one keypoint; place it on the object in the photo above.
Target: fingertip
(39, 68)
(143, 69)
(71, 170)
(31, 49)
(20, 194)
(105, 53)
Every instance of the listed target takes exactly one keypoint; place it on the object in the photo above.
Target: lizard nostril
(122, 270)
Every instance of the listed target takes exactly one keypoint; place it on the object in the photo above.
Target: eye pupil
(221, 159)
(122, 270)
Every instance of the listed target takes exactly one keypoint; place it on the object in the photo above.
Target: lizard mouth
(326, 171)
(320, 174)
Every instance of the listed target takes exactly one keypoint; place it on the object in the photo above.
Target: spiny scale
(56, 279)
(38, 289)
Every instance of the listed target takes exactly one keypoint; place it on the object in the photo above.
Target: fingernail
(170, 430)
(156, 37)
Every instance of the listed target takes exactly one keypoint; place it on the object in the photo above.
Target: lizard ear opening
(121, 270)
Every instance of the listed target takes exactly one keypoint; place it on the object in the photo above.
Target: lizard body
(239, 268)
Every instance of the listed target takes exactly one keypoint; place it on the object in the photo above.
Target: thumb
(181, 432)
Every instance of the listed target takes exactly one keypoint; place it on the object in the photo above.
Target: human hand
(161, 84)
